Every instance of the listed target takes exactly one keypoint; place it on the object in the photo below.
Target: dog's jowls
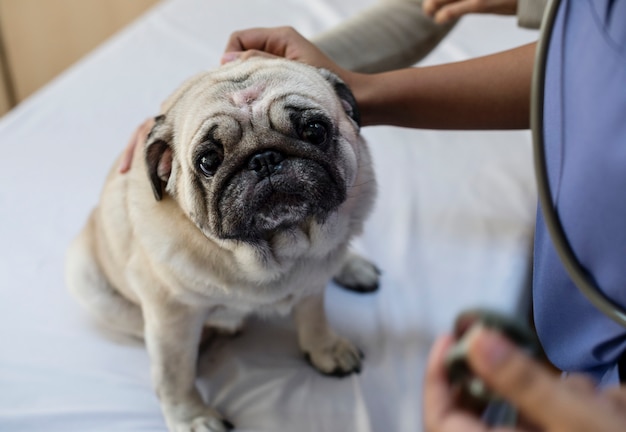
(254, 182)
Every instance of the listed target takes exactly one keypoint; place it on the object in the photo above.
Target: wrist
(361, 86)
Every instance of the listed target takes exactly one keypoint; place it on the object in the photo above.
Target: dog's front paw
(203, 423)
(358, 274)
(339, 358)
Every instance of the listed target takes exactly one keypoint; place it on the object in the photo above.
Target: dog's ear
(158, 156)
(345, 95)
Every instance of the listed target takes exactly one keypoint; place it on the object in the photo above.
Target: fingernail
(493, 348)
(230, 56)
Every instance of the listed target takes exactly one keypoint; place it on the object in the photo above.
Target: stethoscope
(573, 267)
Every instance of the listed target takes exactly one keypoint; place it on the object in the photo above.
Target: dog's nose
(266, 163)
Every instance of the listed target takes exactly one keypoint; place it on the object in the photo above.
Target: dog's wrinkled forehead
(253, 94)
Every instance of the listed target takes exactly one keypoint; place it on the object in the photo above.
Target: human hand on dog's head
(279, 42)
(286, 42)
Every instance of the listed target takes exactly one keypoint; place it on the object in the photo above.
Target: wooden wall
(43, 37)
(5, 99)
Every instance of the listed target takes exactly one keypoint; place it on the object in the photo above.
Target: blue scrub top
(585, 140)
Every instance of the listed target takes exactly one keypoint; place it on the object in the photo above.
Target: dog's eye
(314, 132)
(209, 162)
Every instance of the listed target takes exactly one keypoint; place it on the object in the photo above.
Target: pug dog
(256, 178)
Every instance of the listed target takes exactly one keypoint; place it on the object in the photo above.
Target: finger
(579, 384)
(609, 410)
(271, 40)
(245, 39)
(430, 7)
(228, 57)
(616, 397)
(139, 136)
(456, 10)
(437, 391)
(538, 393)
(440, 412)
(250, 39)
(127, 156)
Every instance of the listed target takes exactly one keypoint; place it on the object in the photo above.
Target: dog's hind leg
(87, 282)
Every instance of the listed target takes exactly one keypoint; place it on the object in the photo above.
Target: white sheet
(452, 229)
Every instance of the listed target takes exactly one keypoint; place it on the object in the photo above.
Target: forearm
(491, 92)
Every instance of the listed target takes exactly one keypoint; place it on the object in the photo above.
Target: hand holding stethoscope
(545, 400)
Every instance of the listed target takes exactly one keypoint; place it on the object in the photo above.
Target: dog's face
(256, 147)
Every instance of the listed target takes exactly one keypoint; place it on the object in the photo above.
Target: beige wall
(43, 37)
(4, 95)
